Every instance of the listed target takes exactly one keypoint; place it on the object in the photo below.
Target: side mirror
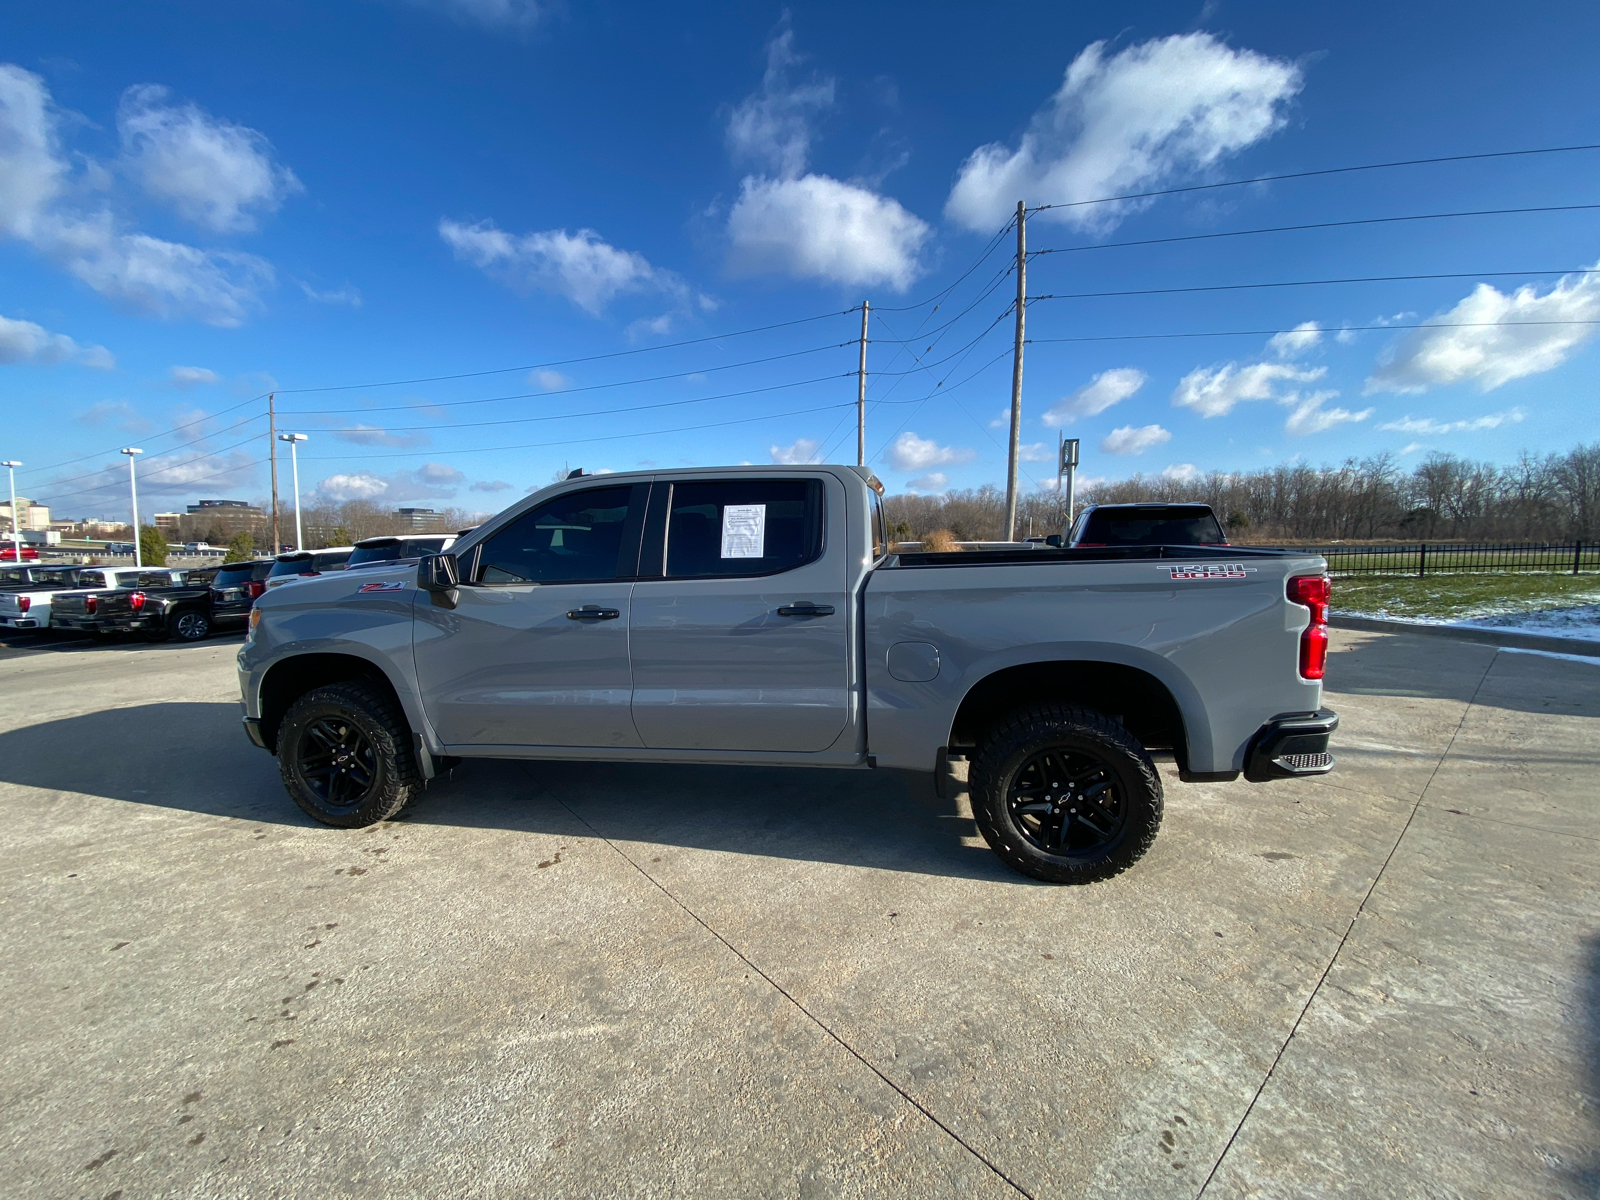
(1053, 540)
(439, 575)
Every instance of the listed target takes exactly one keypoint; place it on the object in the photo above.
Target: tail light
(1313, 591)
(257, 586)
(137, 600)
(24, 603)
(91, 603)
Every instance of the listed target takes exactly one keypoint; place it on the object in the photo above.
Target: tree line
(1538, 498)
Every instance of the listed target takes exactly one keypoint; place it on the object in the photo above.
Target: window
(880, 528)
(743, 527)
(579, 536)
(394, 549)
(1149, 525)
(91, 579)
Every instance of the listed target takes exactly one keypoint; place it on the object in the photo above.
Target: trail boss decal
(1210, 571)
(400, 587)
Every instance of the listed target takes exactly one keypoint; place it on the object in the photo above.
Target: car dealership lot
(566, 979)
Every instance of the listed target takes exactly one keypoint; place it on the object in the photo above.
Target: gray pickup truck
(757, 615)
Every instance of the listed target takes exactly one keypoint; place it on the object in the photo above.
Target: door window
(580, 536)
(743, 527)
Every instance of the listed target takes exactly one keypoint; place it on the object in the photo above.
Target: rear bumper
(18, 623)
(1288, 747)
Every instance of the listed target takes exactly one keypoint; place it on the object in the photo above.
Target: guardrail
(1440, 558)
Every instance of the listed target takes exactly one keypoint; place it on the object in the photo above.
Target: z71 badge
(380, 587)
(1210, 571)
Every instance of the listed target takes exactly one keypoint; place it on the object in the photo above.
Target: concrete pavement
(567, 980)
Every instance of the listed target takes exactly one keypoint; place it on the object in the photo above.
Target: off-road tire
(371, 721)
(1016, 741)
(188, 625)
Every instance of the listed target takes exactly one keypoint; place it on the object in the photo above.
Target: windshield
(390, 551)
(1185, 526)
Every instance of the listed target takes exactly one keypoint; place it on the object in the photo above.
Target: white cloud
(816, 227)
(801, 450)
(935, 481)
(1127, 123)
(1181, 473)
(490, 485)
(1428, 425)
(211, 171)
(1493, 348)
(187, 377)
(908, 452)
(431, 481)
(115, 412)
(1037, 452)
(1213, 391)
(361, 434)
(1002, 419)
(362, 485)
(580, 266)
(1297, 341)
(549, 381)
(25, 342)
(344, 295)
(1131, 439)
(771, 128)
(1307, 415)
(159, 475)
(167, 279)
(1100, 393)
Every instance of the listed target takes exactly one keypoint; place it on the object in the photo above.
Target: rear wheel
(345, 755)
(190, 625)
(1065, 794)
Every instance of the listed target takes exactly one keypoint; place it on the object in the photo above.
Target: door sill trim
(821, 758)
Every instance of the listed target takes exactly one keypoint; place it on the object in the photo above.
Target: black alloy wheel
(1064, 794)
(337, 763)
(191, 626)
(1067, 803)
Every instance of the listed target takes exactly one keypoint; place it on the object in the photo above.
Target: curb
(1469, 633)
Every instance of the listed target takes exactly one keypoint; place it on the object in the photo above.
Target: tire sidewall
(198, 619)
(388, 792)
(1134, 773)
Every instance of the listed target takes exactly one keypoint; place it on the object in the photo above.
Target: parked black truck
(160, 605)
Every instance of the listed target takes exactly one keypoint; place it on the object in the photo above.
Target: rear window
(1151, 527)
(13, 577)
(234, 575)
(91, 579)
(154, 579)
(390, 551)
(743, 527)
(334, 561)
(55, 579)
(291, 566)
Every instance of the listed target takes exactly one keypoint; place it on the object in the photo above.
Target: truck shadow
(192, 757)
(1588, 1173)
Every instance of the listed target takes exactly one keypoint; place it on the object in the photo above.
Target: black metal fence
(1438, 558)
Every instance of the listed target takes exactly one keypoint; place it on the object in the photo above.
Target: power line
(152, 436)
(565, 362)
(1383, 166)
(150, 470)
(593, 387)
(1143, 337)
(1242, 287)
(1201, 237)
(255, 462)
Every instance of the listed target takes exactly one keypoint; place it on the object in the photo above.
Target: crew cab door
(739, 618)
(535, 652)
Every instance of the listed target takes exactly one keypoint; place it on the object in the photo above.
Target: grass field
(1461, 597)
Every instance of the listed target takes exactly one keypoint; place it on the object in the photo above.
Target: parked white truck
(756, 615)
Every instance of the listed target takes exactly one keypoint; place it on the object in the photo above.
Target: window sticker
(744, 531)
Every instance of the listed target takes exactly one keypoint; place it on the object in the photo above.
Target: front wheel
(1065, 794)
(345, 755)
(189, 626)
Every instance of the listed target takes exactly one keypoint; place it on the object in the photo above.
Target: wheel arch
(1141, 700)
(290, 678)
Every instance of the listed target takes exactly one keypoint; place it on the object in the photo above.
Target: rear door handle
(593, 612)
(806, 609)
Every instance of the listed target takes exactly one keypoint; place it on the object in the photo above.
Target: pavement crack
(1350, 928)
(787, 995)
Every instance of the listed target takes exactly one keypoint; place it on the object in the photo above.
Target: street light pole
(16, 535)
(133, 488)
(294, 439)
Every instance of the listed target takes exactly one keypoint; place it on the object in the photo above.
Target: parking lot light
(11, 466)
(294, 439)
(133, 487)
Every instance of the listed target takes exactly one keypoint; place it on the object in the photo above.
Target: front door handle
(806, 609)
(592, 612)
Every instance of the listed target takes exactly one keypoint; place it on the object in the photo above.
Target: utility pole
(294, 440)
(861, 394)
(272, 453)
(11, 466)
(1016, 373)
(133, 491)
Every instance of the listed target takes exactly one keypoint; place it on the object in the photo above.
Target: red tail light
(1314, 591)
(137, 600)
(257, 586)
(24, 602)
(90, 603)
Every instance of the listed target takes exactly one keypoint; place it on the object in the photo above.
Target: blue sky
(202, 203)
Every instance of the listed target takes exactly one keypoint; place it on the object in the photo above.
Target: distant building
(419, 520)
(167, 521)
(225, 508)
(33, 516)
